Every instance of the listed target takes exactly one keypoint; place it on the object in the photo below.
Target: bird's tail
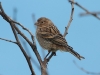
(70, 49)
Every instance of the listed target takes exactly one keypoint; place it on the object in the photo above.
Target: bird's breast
(44, 43)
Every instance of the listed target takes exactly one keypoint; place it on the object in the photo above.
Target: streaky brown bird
(50, 38)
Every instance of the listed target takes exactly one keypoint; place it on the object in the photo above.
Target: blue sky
(83, 36)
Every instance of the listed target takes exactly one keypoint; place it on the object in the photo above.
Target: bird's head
(43, 22)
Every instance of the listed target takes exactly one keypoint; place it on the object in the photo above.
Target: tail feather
(70, 49)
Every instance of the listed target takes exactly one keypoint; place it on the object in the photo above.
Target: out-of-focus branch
(95, 15)
(82, 69)
(15, 14)
(71, 18)
(33, 18)
(85, 14)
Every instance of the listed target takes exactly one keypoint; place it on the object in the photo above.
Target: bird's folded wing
(53, 35)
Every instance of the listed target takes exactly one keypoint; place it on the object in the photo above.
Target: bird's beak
(36, 23)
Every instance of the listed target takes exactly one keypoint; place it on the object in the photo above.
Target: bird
(50, 38)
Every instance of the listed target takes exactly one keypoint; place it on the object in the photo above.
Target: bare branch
(71, 18)
(82, 69)
(16, 37)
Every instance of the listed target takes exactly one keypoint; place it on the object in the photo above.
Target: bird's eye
(42, 22)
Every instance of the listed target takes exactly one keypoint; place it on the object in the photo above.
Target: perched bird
(50, 38)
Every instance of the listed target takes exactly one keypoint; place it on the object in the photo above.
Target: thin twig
(95, 15)
(8, 40)
(25, 29)
(87, 72)
(85, 14)
(71, 18)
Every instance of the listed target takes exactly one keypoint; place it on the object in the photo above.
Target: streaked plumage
(50, 38)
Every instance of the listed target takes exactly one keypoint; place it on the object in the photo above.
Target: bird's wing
(53, 35)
